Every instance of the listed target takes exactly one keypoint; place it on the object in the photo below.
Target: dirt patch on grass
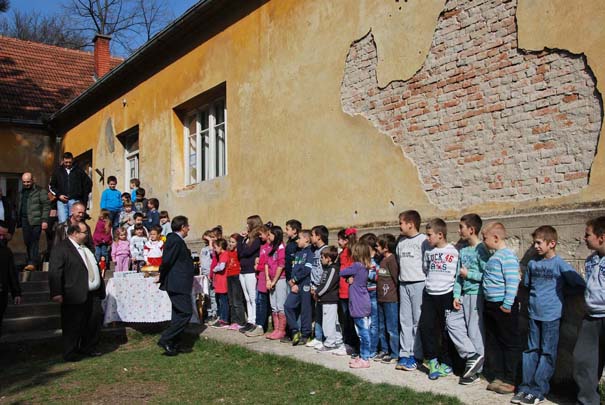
(123, 392)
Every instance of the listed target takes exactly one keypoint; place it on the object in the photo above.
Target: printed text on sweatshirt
(440, 266)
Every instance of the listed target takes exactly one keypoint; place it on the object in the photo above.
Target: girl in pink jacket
(120, 250)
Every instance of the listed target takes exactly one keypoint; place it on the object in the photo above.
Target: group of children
(130, 229)
(405, 300)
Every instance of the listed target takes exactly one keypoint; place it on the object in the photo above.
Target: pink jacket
(277, 260)
(261, 285)
(120, 248)
(100, 236)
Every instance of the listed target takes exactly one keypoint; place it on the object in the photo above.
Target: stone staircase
(36, 317)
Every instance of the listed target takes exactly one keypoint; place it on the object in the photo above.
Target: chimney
(102, 55)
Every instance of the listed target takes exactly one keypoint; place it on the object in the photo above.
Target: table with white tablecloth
(138, 299)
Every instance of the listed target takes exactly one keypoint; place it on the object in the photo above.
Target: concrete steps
(36, 314)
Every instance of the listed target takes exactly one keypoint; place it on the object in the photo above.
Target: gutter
(23, 122)
(132, 58)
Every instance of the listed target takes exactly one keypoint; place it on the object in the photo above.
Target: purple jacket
(359, 298)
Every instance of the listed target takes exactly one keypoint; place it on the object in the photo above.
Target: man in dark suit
(76, 283)
(176, 278)
(9, 281)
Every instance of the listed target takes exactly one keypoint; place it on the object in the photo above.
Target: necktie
(89, 266)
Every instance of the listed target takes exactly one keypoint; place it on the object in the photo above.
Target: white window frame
(211, 161)
(130, 155)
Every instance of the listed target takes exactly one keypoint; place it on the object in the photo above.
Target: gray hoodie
(594, 294)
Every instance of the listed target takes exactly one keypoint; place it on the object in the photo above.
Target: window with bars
(206, 142)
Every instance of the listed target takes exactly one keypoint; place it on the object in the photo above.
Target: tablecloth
(140, 300)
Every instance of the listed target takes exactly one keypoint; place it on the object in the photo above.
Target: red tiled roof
(37, 79)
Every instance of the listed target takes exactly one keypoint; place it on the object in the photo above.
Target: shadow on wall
(22, 98)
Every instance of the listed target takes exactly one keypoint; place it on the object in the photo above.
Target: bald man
(32, 217)
(77, 214)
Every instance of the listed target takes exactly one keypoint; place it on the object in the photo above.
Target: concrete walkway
(377, 373)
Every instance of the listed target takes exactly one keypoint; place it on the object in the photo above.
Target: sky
(51, 6)
(178, 7)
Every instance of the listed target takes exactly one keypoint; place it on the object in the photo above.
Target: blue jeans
(102, 251)
(388, 327)
(114, 217)
(262, 305)
(362, 326)
(299, 304)
(374, 325)
(64, 209)
(223, 307)
(540, 357)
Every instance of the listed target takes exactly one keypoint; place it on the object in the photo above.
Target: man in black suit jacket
(9, 281)
(76, 283)
(176, 278)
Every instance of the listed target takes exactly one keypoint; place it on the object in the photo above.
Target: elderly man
(9, 281)
(69, 184)
(77, 214)
(32, 217)
(76, 283)
(176, 278)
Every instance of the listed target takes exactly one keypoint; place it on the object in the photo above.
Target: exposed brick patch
(483, 120)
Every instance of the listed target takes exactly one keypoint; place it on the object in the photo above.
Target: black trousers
(3, 304)
(502, 341)
(349, 335)
(235, 295)
(81, 324)
(182, 311)
(433, 330)
(31, 238)
(589, 358)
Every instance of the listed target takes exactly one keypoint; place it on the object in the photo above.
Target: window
(130, 141)
(206, 142)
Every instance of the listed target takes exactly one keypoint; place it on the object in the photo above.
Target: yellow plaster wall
(292, 152)
(27, 149)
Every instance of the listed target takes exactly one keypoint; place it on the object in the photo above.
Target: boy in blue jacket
(544, 278)
(111, 200)
(299, 298)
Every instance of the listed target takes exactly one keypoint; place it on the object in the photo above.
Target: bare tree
(4, 5)
(47, 29)
(129, 22)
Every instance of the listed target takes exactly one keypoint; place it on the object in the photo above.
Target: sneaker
(444, 370)
(257, 331)
(412, 364)
(402, 363)
(225, 325)
(233, 326)
(341, 351)
(469, 380)
(296, 338)
(349, 349)
(518, 397)
(326, 349)
(531, 399)
(314, 343)
(354, 355)
(247, 327)
(473, 365)
(359, 363)
(304, 341)
(380, 355)
(285, 339)
(434, 369)
(387, 359)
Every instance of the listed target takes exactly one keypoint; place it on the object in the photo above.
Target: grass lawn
(213, 372)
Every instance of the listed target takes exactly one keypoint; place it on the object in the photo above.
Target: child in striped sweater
(501, 311)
